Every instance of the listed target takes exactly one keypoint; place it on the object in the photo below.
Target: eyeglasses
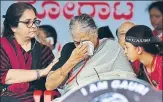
(29, 23)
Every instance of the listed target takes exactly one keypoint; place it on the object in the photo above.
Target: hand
(45, 71)
(79, 53)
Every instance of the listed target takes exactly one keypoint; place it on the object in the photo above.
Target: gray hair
(83, 23)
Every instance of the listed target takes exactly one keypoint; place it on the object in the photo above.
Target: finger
(84, 47)
(79, 46)
(85, 50)
(85, 54)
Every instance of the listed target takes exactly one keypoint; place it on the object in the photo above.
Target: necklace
(33, 45)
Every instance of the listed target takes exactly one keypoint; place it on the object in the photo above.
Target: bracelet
(61, 72)
(38, 74)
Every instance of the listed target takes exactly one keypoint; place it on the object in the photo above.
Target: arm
(26, 75)
(11, 76)
(56, 77)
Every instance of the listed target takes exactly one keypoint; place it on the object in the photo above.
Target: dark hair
(158, 5)
(13, 14)
(105, 32)
(50, 31)
(140, 32)
(116, 32)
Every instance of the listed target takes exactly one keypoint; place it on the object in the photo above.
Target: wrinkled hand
(45, 71)
(79, 53)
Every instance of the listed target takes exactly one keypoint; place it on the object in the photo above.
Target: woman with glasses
(24, 61)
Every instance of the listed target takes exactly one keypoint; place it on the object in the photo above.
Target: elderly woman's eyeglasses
(29, 23)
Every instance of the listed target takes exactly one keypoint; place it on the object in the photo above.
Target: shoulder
(112, 44)
(69, 45)
(159, 60)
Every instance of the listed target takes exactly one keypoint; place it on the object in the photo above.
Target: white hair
(82, 24)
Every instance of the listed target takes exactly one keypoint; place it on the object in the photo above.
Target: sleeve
(65, 54)
(160, 78)
(4, 65)
(121, 66)
(46, 56)
(157, 73)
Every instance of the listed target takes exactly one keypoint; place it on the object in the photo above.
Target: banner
(111, 13)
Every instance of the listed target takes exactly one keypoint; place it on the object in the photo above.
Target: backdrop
(111, 13)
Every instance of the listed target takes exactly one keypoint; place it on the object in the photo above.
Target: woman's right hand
(79, 53)
(45, 71)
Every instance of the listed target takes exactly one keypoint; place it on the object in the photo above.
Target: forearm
(57, 77)
(21, 75)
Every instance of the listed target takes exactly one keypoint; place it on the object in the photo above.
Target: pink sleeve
(158, 72)
(160, 77)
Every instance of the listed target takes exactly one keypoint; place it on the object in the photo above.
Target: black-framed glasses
(29, 23)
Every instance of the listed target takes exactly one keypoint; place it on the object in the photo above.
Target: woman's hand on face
(45, 71)
(79, 53)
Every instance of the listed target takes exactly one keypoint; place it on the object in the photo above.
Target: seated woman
(92, 59)
(141, 45)
(24, 61)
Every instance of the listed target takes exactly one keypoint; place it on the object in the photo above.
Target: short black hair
(158, 5)
(50, 31)
(116, 32)
(105, 32)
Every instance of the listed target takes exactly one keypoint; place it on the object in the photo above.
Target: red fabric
(21, 59)
(160, 36)
(52, 93)
(17, 62)
(154, 32)
(10, 52)
(136, 66)
(156, 75)
(4, 77)
(49, 95)
(37, 95)
(18, 87)
(46, 58)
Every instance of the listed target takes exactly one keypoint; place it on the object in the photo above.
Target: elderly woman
(24, 61)
(92, 59)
